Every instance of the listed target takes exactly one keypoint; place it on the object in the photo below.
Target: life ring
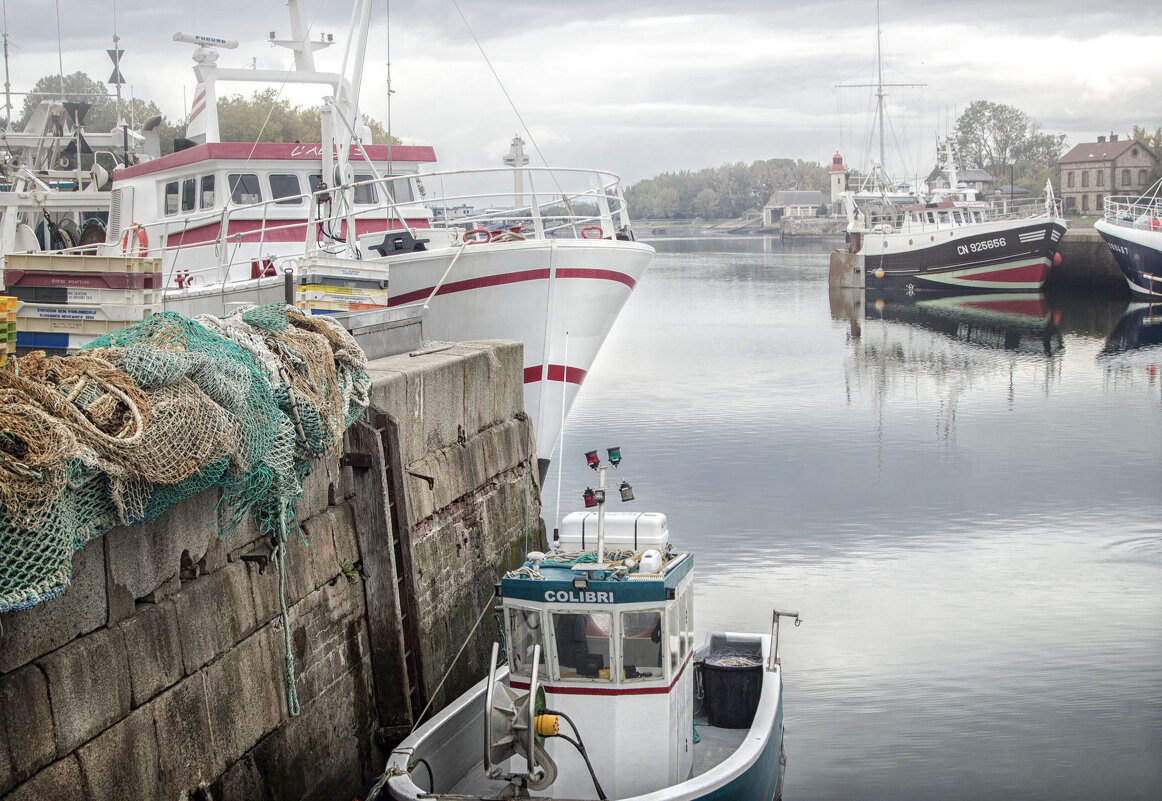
(469, 240)
(596, 228)
(127, 240)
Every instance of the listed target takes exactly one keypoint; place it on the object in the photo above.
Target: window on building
(1098, 205)
(1085, 177)
(1085, 202)
(1134, 152)
(1100, 178)
(171, 198)
(1069, 179)
(244, 187)
(207, 191)
(1125, 177)
(189, 194)
(1141, 177)
(284, 188)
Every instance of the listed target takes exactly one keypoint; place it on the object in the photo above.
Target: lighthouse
(838, 172)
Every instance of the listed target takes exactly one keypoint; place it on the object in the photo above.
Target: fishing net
(146, 417)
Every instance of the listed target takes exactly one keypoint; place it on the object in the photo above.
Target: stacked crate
(331, 294)
(64, 302)
(8, 312)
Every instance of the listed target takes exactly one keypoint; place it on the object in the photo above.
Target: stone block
(479, 365)
(243, 537)
(329, 636)
(435, 401)
(153, 645)
(325, 753)
(316, 484)
(142, 558)
(246, 694)
(343, 533)
(88, 686)
(26, 742)
(81, 608)
(122, 763)
(214, 612)
(59, 780)
(185, 744)
(318, 555)
(389, 390)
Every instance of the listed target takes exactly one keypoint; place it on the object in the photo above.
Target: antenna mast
(7, 84)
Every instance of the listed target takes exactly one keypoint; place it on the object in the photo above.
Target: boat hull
(559, 297)
(1138, 253)
(449, 743)
(1003, 256)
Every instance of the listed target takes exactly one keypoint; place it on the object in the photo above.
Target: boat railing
(1143, 212)
(456, 206)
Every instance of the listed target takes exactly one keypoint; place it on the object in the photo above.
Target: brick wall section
(145, 680)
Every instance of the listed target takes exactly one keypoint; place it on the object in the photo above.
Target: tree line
(263, 115)
(1002, 140)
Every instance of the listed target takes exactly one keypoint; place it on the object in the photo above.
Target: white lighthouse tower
(838, 172)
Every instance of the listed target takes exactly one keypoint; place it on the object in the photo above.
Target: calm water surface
(963, 501)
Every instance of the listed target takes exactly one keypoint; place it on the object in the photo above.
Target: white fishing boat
(599, 635)
(1132, 228)
(544, 256)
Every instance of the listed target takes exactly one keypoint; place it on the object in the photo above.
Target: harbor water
(963, 501)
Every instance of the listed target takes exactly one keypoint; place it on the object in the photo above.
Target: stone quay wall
(160, 673)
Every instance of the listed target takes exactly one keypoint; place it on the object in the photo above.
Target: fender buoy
(476, 236)
(128, 237)
(1056, 259)
(1154, 224)
(585, 235)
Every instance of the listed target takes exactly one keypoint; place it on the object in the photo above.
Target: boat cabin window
(171, 198)
(641, 646)
(244, 187)
(284, 188)
(582, 642)
(401, 190)
(524, 632)
(207, 191)
(315, 182)
(365, 194)
(956, 217)
(189, 194)
(675, 627)
(686, 601)
(931, 217)
(944, 217)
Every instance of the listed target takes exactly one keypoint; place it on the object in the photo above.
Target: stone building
(1091, 171)
(794, 203)
(972, 177)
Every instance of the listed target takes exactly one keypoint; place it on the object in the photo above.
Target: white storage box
(624, 531)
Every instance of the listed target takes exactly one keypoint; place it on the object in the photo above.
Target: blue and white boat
(1132, 227)
(603, 694)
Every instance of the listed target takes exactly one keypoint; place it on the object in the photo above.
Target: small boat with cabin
(1132, 228)
(601, 692)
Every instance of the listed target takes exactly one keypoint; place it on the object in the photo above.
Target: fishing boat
(1140, 329)
(1132, 228)
(602, 693)
(544, 256)
(949, 239)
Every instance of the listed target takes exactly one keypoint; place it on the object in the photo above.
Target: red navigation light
(590, 498)
(591, 459)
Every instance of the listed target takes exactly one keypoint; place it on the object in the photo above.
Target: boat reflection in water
(1015, 321)
(1139, 328)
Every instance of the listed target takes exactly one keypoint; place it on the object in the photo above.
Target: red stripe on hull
(276, 231)
(604, 275)
(556, 372)
(1036, 308)
(511, 278)
(1029, 274)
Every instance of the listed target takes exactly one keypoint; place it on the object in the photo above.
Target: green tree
(264, 116)
(77, 87)
(991, 136)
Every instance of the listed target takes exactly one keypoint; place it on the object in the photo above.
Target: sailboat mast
(880, 85)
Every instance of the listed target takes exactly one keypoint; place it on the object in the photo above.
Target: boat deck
(714, 747)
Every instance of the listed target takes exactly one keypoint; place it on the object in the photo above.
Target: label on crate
(63, 312)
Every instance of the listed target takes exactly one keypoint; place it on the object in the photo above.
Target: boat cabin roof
(576, 578)
(279, 152)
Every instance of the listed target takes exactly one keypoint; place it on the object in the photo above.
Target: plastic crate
(337, 306)
(81, 280)
(86, 297)
(58, 262)
(46, 341)
(86, 320)
(330, 280)
(339, 294)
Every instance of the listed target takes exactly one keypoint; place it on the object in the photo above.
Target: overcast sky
(641, 87)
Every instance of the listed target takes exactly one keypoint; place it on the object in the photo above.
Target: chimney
(1101, 140)
(1113, 137)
